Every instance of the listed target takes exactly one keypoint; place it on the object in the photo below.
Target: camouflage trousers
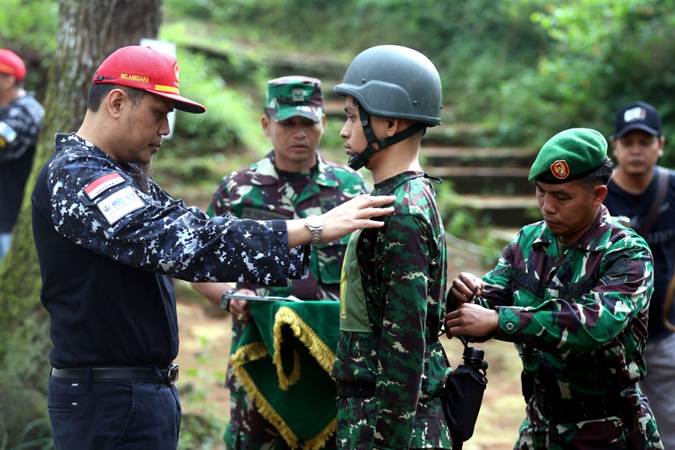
(248, 429)
(606, 433)
(356, 426)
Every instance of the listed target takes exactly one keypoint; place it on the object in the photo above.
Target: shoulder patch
(7, 133)
(102, 184)
(119, 204)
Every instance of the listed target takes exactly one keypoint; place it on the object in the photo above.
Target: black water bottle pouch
(462, 395)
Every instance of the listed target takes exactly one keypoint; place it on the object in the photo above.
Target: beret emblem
(560, 169)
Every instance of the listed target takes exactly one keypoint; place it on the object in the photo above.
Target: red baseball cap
(11, 64)
(147, 69)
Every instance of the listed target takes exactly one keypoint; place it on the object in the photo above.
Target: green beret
(569, 155)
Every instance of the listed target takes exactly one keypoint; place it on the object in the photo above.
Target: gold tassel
(319, 441)
(317, 348)
(252, 352)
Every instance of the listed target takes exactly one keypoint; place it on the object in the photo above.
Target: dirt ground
(205, 343)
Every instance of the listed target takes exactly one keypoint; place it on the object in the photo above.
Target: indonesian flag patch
(102, 184)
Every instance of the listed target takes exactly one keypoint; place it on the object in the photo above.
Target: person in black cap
(644, 192)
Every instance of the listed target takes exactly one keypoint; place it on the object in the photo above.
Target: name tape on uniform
(119, 204)
(102, 184)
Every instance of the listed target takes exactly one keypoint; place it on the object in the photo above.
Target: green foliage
(604, 54)
(460, 223)
(23, 420)
(31, 25)
(199, 432)
(28, 27)
(475, 44)
(232, 62)
(232, 118)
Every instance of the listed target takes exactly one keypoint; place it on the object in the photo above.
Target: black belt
(167, 375)
(355, 389)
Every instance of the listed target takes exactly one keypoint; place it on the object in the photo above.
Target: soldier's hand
(471, 320)
(465, 287)
(239, 308)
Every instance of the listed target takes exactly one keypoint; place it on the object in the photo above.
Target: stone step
(335, 107)
(501, 211)
(485, 180)
(477, 156)
(506, 234)
(453, 133)
(318, 66)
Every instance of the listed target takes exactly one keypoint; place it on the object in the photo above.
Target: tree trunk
(88, 32)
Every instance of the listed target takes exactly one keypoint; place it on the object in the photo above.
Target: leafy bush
(232, 118)
(605, 53)
(28, 27)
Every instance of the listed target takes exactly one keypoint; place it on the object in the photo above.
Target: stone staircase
(491, 182)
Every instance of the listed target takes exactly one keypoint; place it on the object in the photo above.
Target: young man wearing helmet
(389, 363)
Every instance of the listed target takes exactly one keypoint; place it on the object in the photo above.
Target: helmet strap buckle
(361, 159)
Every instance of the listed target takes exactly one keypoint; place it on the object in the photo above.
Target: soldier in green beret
(291, 181)
(572, 293)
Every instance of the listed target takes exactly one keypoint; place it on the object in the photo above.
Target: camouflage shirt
(577, 314)
(389, 333)
(20, 124)
(259, 192)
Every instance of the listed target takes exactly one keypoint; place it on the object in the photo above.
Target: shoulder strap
(652, 214)
(668, 305)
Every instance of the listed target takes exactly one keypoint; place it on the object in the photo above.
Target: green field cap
(294, 96)
(569, 155)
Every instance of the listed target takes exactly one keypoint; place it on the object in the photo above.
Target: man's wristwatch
(315, 226)
(225, 299)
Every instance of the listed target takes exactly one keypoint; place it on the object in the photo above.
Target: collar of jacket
(264, 173)
(596, 237)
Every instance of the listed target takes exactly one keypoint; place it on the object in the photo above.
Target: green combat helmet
(394, 82)
(293, 96)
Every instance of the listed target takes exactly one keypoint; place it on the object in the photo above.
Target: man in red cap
(20, 121)
(108, 239)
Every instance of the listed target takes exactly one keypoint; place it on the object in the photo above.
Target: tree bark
(88, 31)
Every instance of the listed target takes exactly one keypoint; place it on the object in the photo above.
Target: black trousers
(106, 415)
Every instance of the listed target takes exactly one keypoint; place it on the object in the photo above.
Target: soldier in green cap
(572, 293)
(291, 181)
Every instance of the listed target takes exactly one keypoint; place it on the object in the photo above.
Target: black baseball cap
(637, 116)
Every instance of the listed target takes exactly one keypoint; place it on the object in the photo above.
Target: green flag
(284, 359)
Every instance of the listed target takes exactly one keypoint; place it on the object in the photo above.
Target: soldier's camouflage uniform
(578, 317)
(390, 366)
(260, 192)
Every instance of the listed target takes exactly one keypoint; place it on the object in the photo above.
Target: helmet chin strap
(361, 159)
